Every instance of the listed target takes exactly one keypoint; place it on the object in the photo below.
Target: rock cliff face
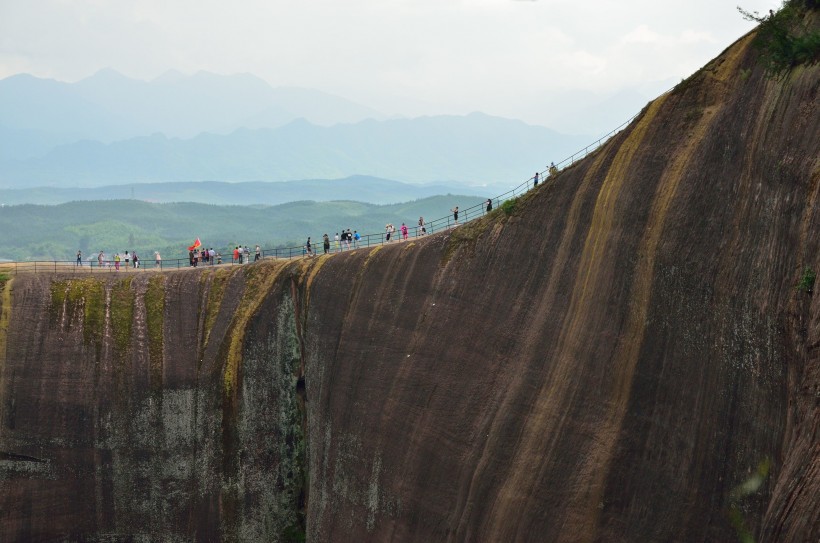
(624, 357)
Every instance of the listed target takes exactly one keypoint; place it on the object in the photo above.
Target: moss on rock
(81, 298)
(154, 321)
(122, 316)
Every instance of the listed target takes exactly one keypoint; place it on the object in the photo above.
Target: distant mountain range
(374, 190)
(109, 129)
(109, 106)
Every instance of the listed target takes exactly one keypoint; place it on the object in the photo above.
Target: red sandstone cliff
(608, 363)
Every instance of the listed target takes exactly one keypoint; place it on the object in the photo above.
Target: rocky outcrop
(622, 357)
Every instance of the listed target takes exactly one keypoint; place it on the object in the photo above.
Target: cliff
(623, 357)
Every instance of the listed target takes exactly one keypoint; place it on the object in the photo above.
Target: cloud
(400, 56)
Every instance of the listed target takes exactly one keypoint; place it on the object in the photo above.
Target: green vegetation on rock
(215, 293)
(154, 320)
(786, 38)
(81, 296)
(806, 283)
(508, 206)
(122, 316)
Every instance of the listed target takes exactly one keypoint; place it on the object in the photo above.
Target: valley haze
(109, 129)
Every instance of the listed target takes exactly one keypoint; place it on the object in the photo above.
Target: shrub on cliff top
(509, 206)
(784, 38)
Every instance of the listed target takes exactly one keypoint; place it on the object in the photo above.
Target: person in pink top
(404, 231)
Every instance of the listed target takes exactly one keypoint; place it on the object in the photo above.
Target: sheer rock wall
(610, 362)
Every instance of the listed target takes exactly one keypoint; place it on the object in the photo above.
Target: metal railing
(369, 240)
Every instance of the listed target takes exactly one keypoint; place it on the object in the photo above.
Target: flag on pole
(196, 244)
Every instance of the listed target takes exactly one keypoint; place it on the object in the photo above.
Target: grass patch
(509, 206)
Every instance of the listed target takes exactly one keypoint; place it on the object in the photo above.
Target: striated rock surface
(624, 357)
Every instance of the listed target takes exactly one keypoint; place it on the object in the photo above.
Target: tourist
(455, 214)
(117, 261)
(387, 232)
(421, 230)
(404, 232)
(100, 259)
(136, 261)
(356, 239)
(535, 180)
(157, 260)
(326, 243)
(489, 205)
(212, 256)
(127, 260)
(258, 254)
(79, 258)
(308, 248)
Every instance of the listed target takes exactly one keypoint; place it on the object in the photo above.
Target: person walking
(136, 261)
(117, 261)
(535, 180)
(356, 239)
(308, 248)
(404, 233)
(326, 243)
(455, 214)
(489, 205)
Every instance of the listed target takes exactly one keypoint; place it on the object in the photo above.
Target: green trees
(788, 37)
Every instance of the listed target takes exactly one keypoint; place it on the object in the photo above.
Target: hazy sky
(515, 58)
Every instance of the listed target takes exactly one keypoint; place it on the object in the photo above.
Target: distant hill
(32, 232)
(109, 106)
(372, 190)
(475, 149)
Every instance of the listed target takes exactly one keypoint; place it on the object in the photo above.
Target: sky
(542, 61)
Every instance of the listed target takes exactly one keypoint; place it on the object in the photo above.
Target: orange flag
(196, 244)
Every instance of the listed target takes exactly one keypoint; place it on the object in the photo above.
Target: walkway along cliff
(620, 355)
